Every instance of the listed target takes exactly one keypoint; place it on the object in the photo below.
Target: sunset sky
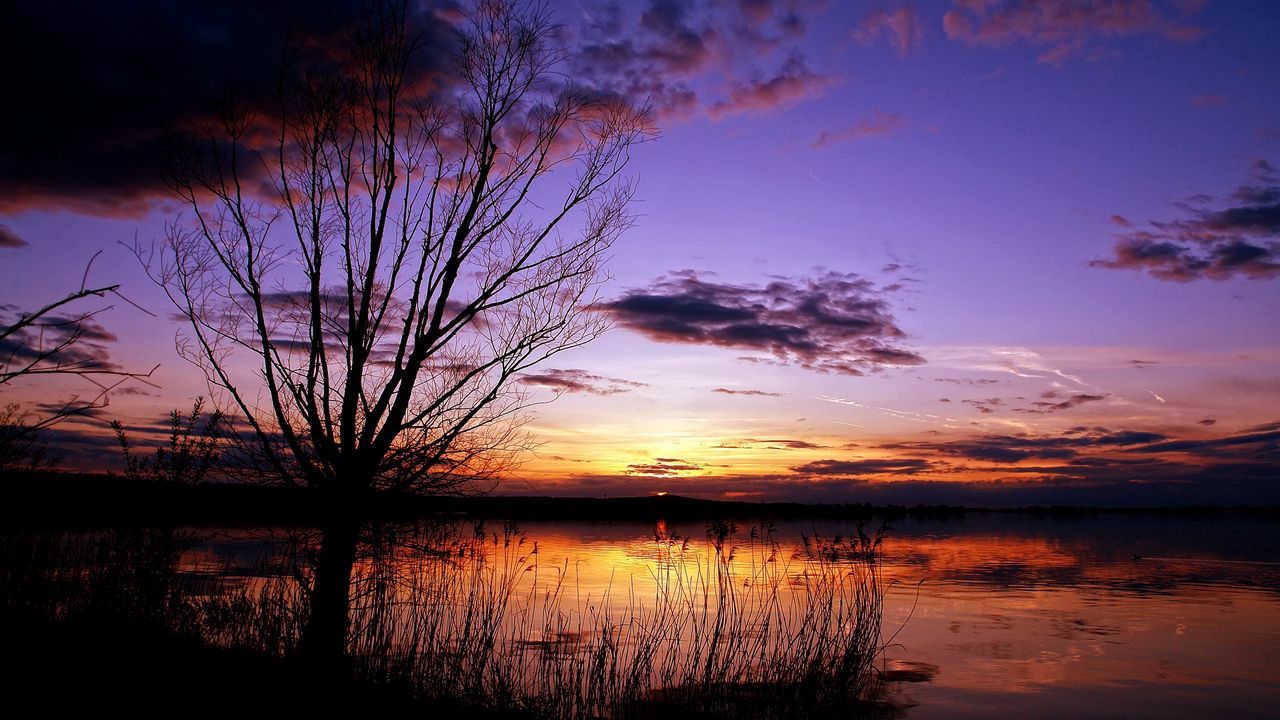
(972, 252)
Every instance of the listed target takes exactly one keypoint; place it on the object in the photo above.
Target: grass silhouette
(469, 616)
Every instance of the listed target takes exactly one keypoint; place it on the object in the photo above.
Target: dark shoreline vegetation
(450, 613)
(103, 605)
(60, 499)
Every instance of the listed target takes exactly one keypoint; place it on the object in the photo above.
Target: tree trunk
(325, 641)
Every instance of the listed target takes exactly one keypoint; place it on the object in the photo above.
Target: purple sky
(988, 252)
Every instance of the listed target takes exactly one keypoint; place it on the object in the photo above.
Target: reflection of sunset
(996, 612)
(1003, 274)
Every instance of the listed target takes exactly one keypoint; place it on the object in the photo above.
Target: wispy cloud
(878, 124)
(1063, 28)
(771, 444)
(574, 380)
(748, 392)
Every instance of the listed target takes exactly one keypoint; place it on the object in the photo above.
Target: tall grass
(733, 624)
(720, 627)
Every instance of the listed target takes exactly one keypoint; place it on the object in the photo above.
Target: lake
(981, 615)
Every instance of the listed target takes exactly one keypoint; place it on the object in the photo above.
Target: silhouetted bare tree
(365, 314)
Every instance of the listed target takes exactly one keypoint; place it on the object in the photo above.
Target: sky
(975, 252)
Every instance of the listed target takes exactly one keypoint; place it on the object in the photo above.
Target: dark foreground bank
(88, 500)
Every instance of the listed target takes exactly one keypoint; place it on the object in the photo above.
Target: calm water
(992, 615)
(1034, 616)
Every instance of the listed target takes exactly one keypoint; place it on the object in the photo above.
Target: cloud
(101, 84)
(986, 407)
(901, 26)
(793, 83)
(752, 393)
(1208, 101)
(10, 239)
(678, 46)
(662, 467)
(1218, 238)
(775, 444)
(1062, 27)
(1085, 465)
(967, 381)
(1016, 448)
(683, 58)
(880, 124)
(1261, 445)
(72, 343)
(833, 322)
(1018, 361)
(1073, 401)
(859, 468)
(574, 380)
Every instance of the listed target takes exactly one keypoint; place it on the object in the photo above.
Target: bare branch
(367, 315)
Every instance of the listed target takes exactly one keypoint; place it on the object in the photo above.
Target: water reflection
(995, 615)
(728, 625)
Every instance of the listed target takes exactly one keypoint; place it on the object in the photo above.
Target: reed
(736, 623)
(730, 624)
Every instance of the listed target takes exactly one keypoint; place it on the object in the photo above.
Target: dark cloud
(986, 407)
(774, 444)
(834, 322)
(574, 380)
(10, 239)
(967, 381)
(1235, 236)
(858, 468)
(1085, 465)
(1075, 400)
(101, 84)
(1207, 422)
(1258, 445)
(752, 393)
(75, 409)
(659, 53)
(1016, 448)
(1063, 28)
(662, 467)
(62, 341)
